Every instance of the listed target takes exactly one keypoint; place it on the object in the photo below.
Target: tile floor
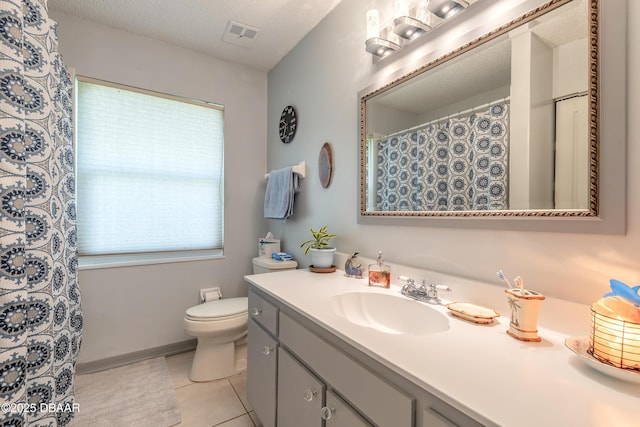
(221, 403)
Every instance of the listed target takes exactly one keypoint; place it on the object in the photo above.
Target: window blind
(149, 172)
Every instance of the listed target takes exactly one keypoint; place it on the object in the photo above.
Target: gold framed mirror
(504, 126)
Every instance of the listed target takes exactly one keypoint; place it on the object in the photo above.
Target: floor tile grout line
(231, 419)
(238, 395)
(252, 422)
(183, 386)
(242, 403)
(228, 379)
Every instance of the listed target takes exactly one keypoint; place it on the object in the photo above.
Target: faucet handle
(432, 293)
(408, 287)
(410, 283)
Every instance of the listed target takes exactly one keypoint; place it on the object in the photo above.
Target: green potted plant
(321, 252)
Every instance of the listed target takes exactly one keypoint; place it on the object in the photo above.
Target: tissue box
(267, 247)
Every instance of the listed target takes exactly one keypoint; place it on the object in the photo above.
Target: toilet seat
(223, 309)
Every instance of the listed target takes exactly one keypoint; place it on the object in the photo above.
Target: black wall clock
(288, 124)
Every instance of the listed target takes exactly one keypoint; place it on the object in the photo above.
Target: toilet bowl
(221, 329)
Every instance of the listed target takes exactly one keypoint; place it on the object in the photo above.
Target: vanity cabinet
(319, 380)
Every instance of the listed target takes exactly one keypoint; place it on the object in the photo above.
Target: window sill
(114, 261)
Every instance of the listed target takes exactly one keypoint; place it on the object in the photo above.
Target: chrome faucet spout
(423, 293)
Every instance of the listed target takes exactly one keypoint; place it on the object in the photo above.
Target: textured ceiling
(199, 24)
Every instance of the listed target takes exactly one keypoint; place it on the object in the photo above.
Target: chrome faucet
(423, 293)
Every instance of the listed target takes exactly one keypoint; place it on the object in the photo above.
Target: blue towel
(280, 194)
(281, 256)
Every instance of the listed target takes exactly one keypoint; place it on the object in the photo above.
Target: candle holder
(614, 341)
(613, 345)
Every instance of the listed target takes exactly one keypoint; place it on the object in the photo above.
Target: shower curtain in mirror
(40, 314)
(452, 164)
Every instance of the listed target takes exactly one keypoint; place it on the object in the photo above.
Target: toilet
(268, 265)
(219, 326)
(221, 329)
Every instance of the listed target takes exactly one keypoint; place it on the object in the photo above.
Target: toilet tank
(267, 265)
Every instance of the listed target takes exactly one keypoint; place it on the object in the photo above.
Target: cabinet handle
(266, 350)
(326, 412)
(255, 311)
(309, 395)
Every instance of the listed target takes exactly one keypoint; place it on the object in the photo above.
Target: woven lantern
(614, 336)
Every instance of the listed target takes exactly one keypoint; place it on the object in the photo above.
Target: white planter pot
(322, 258)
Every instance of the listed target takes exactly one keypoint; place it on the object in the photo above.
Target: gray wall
(322, 76)
(129, 309)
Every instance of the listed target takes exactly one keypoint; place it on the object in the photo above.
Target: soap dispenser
(379, 273)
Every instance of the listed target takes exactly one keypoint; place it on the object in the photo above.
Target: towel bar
(300, 169)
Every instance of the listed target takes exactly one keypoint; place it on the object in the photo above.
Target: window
(149, 171)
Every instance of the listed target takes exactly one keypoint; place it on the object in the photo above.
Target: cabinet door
(338, 413)
(262, 363)
(300, 394)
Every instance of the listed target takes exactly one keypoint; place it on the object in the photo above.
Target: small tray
(473, 313)
(322, 270)
(580, 346)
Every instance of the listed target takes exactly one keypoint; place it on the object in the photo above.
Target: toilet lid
(222, 308)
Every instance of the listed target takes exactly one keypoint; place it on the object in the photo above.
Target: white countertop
(479, 369)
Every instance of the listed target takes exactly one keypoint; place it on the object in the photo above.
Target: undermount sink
(389, 313)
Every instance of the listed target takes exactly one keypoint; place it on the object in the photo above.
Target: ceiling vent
(240, 34)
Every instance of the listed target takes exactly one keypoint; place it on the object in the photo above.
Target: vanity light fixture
(380, 47)
(411, 26)
(378, 42)
(409, 23)
(447, 8)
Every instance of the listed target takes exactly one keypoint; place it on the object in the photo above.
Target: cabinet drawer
(378, 400)
(263, 312)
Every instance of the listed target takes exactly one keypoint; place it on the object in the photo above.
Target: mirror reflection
(504, 126)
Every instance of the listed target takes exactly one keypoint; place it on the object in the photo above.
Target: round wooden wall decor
(325, 165)
(288, 124)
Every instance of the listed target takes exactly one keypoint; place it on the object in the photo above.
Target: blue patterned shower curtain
(40, 314)
(452, 164)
